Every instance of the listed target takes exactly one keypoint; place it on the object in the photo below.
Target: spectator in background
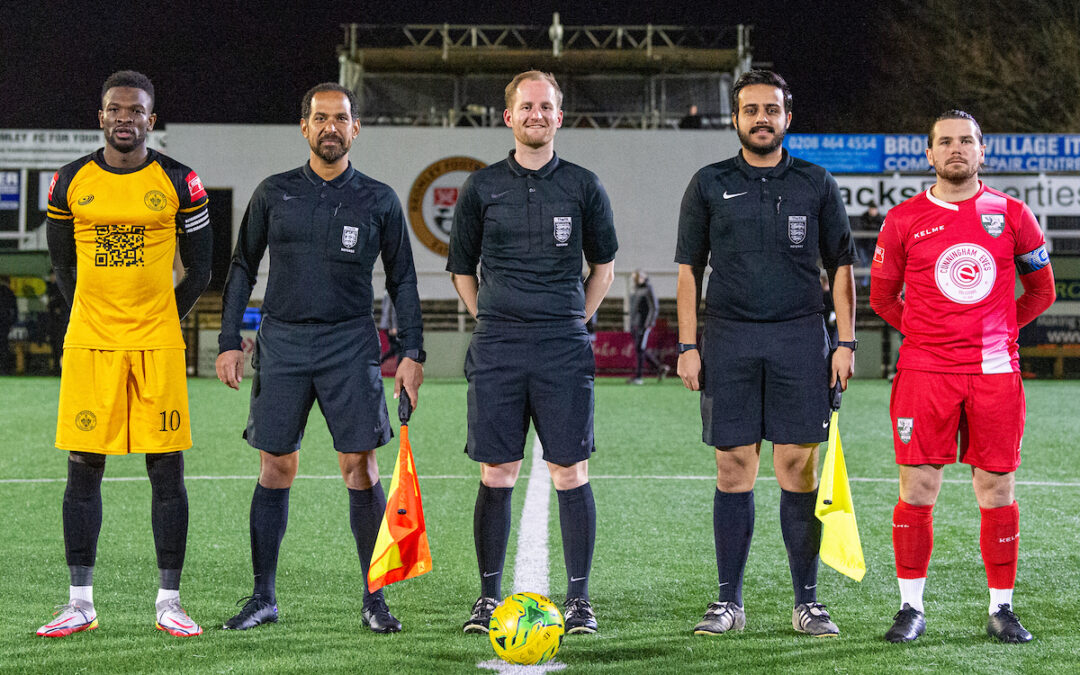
(644, 308)
(692, 120)
(57, 312)
(9, 312)
(870, 221)
(388, 322)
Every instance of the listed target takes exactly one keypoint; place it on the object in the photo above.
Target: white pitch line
(531, 560)
(853, 479)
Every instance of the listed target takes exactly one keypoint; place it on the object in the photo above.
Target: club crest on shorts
(85, 420)
(348, 237)
(904, 425)
(563, 226)
(994, 224)
(796, 229)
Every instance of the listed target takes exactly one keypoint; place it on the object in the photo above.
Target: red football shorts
(936, 414)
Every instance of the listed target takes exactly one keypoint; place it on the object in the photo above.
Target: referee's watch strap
(850, 344)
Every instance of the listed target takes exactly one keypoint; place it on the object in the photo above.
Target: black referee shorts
(765, 380)
(522, 372)
(334, 364)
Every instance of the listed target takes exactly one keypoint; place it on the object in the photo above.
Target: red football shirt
(956, 261)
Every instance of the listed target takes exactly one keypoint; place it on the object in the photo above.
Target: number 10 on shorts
(170, 420)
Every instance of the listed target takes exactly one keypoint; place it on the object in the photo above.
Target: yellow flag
(840, 545)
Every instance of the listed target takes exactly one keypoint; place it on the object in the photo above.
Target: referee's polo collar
(751, 172)
(542, 172)
(337, 182)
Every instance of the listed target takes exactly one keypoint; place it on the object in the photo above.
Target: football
(526, 629)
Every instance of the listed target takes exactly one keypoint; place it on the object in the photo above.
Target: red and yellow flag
(401, 550)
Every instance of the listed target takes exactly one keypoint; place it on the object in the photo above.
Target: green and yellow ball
(526, 629)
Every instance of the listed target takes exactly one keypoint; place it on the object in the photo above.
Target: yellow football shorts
(117, 402)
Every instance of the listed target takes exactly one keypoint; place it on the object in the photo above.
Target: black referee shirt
(531, 229)
(323, 237)
(763, 231)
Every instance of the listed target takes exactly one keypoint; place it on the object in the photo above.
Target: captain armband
(1033, 261)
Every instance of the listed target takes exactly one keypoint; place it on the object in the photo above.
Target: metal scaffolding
(641, 77)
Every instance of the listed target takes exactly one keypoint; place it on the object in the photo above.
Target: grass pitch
(653, 574)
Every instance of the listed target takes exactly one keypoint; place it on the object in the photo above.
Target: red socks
(999, 541)
(913, 539)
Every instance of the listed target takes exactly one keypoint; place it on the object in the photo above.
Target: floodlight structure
(641, 77)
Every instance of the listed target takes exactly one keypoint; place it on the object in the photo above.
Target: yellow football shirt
(125, 223)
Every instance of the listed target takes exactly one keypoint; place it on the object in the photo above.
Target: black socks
(733, 527)
(491, 532)
(366, 509)
(577, 521)
(269, 516)
(802, 537)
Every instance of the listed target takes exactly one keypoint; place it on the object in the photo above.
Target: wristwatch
(686, 347)
(418, 355)
(850, 344)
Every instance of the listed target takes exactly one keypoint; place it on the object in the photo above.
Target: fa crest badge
(563, 226)
(904, 425)
(994, 224)
(348, 237)
(796, 229)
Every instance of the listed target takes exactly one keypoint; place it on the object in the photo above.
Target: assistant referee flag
(840, 545)
(401, 550)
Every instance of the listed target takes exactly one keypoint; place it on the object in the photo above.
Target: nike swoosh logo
(725, 583)
(810, 588)
(489, 574)
(286, 197)
(729, 196)
(572, 579)
(496, 195)
(190, 625)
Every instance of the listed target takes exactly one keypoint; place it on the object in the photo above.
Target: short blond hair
(511, 89)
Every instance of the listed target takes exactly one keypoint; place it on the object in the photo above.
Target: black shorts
(518, 372)
(334, 364)
(766, 380)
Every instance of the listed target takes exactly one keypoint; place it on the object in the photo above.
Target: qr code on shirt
(119, 245)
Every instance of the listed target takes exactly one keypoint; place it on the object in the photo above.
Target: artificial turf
(653, 574)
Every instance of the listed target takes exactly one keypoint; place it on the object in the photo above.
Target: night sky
(245, 63)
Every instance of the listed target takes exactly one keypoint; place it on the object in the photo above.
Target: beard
(330, 153)
(126, 145)
(535, 140)
(770, 147)
(956, 173)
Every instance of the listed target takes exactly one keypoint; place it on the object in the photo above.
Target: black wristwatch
(850, 344)
(686, 347)
(418, 355)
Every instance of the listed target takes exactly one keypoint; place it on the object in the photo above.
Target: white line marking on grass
(531, 560)
(853, 479)
(504, 668)
(125, 479)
